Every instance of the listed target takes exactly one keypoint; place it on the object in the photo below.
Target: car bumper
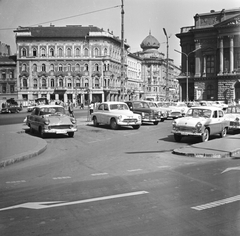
(59, 131)
(121, 123)
(186, 133)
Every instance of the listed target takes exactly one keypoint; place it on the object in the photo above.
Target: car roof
(113, 102)
(207, 107)
(47, 106)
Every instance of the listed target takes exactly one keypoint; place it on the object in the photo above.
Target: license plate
(61, 132)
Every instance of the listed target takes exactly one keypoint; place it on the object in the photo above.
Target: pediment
(235, 20)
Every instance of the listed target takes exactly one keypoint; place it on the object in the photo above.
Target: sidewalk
(16, 145)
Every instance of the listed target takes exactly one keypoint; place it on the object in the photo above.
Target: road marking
(64, 177)
(217, 203)
(162, 166)
(15, 182)
(96, 174)
(231, 168)
(43, 205)
(134, 170)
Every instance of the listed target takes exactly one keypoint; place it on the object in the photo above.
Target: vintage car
(11, 109)
(115, 114)
(147, 113)
(163, 112)
(51, 119)
(232, 114)
(178, 109)
(201, 122)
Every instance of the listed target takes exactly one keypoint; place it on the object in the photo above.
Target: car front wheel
(114, 124)
(136, 126)
(71, 134)
(224, 132)
(95, 123)
(205, 135)
(155, 122)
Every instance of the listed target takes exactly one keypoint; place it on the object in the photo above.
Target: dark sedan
(11, 109)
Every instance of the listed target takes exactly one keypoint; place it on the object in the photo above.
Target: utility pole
(122, 55)
(167, 88)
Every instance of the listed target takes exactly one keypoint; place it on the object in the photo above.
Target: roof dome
(150, 42)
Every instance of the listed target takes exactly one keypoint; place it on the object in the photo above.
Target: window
(210, 92)
(25, 83)
(35, 83)
(86, 67)
(43, 67)
(77, 52)
(86, 52)
(11, 88)
(52, 83)
(43, 52)
(60, 52)
(78, 83)
(86, 83)
(11, 74)
(69, 52)
(34, 68)
(4, 75)
(24, 52)
(51, 67)
(77, 67)
(97, 83)
(105, 51)
(34, 52)
(44, 83)
(96, 52)
(4, 88)
(60, 82)
(60, 67)
(69, 83)
(24, 67)
(51, 52)
(69, 67)
(96, 68)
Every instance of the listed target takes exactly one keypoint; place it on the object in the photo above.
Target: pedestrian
(91, 107)
(70, 108)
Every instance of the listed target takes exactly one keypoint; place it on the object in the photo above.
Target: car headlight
(46, 121)
(199, 126)
(143, 114)
(174, 124)
(237, 119)
(139, 117)
(73, 120)
(120, 117)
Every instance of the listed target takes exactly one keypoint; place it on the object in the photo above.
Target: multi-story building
(74, 63)
(8, 78)
(154, 72)
(134, 77)
(211, 57)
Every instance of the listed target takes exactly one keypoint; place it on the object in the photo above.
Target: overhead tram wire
(64, 18)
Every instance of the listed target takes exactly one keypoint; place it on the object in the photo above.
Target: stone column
(197, 60)
(221, 56)
(204, 65)
(231, 54)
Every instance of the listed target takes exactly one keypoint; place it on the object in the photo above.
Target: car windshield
(151, 104)
(196, 112)
(119, 106)
(52, 110)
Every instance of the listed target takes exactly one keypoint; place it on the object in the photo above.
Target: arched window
(97, 85)
(77, 52)
(51, 52)
(44, 83)
(34, 68)
(43, 52)
(43, 67)
(69, 67)
(60, 67)
(24, 67)
(69, 52)
(96, 52)
(25, 84)
(52, 83)
(105, 51)
(60, 52)
(61, 83)
(51, 67)
(78, 83)
(108, 67)
(35, 83)
(77, 67)
(96, 67)
(69, 83)
(24, 52)
(86, 84)
(86, 67)
(34, 52)
(86, 52)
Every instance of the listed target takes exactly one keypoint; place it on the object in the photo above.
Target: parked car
(163, 112)
(115, 114)
(143, 109)
(163, 107)
(11, 109)
(232, 114)
(201, 122)
(220, 104)
(179, 109)
(51, 119)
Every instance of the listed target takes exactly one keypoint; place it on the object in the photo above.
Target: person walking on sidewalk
(91, 107)
(70, 108)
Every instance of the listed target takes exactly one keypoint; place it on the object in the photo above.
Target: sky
(140, 18)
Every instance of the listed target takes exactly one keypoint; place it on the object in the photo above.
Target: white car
(115, 114)
(201, 122)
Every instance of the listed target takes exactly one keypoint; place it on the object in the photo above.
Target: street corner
(200, 153)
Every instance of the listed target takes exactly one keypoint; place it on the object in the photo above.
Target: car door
(216, 122)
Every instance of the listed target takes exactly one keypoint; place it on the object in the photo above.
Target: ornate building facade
(212, 49)
(74, 63)
(154, 72)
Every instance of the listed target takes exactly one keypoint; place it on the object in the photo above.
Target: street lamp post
(187, 54)
(167, 89)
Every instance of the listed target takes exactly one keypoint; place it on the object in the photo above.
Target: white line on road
(63, 177)
(15, 182)
(217, 203)
(43, 205)
(96, 174)
(134, 170)
(163, 167)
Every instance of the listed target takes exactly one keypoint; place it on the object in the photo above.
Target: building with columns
(77, 63)
(211, 57)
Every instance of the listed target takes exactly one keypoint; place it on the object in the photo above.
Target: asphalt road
(125, 182)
